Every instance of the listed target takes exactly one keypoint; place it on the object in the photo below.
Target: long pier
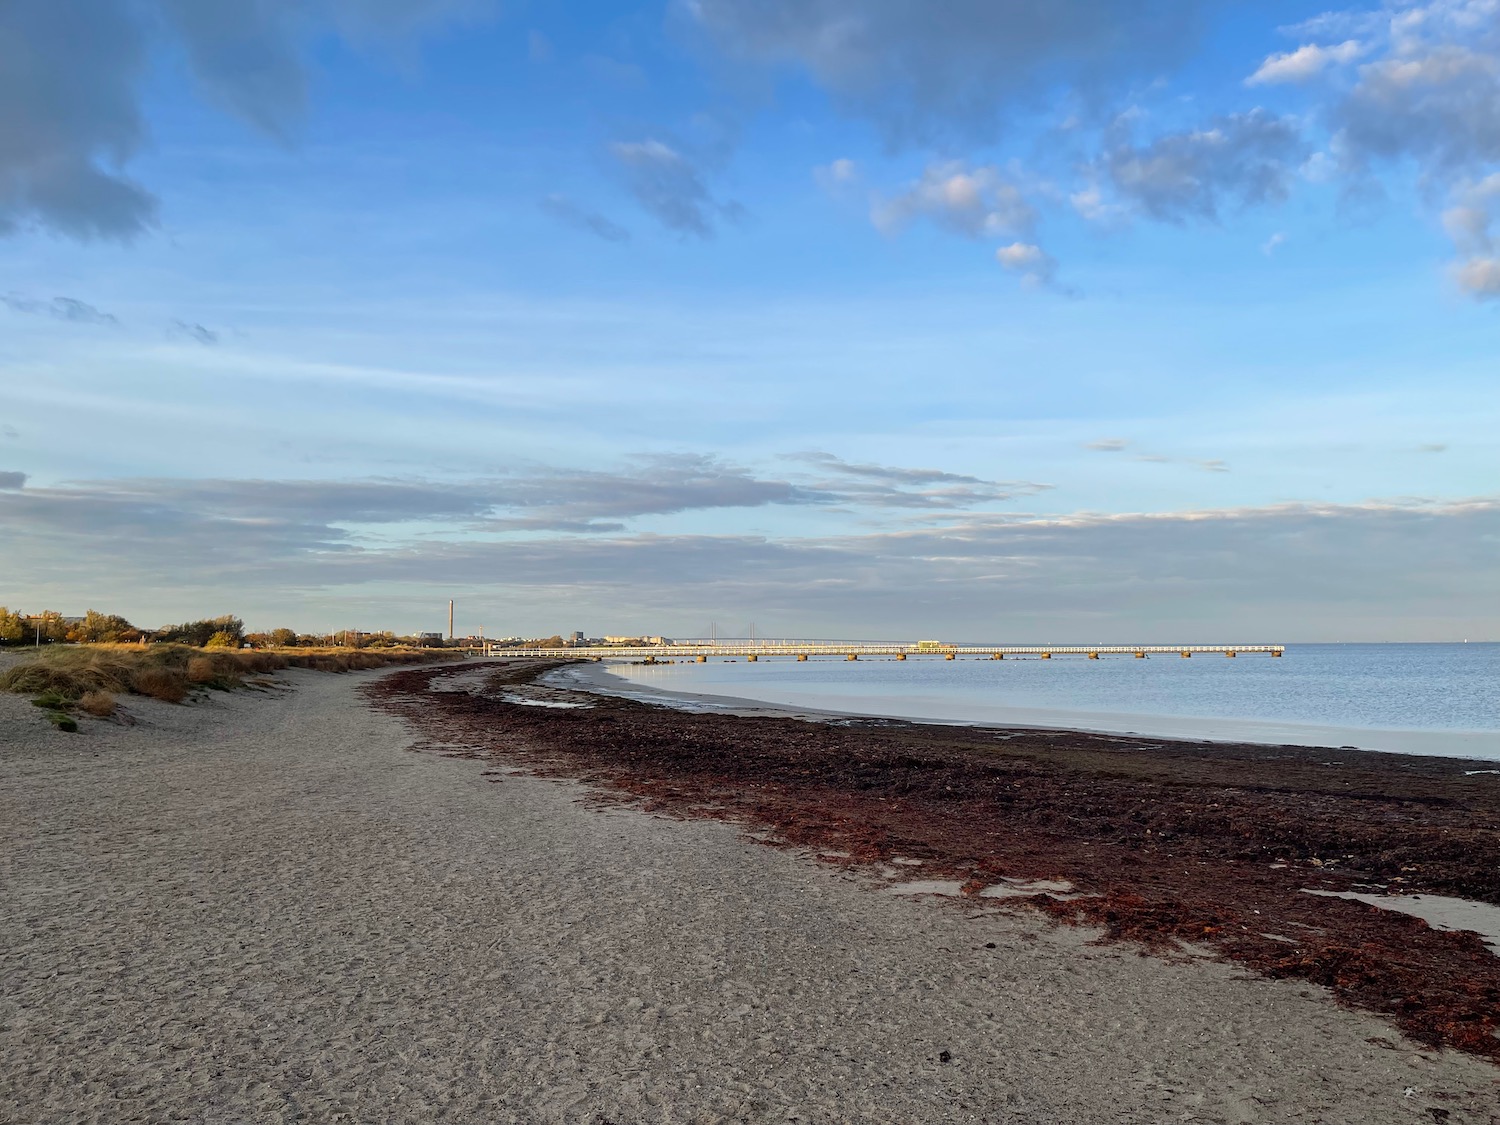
(851, 650)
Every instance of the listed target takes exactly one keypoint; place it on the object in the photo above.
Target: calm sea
(1428, 699)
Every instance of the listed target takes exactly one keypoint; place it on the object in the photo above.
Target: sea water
(1412, 698)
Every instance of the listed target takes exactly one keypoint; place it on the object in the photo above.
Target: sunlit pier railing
(853, 650)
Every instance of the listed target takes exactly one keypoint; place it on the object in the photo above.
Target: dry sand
(267, 909)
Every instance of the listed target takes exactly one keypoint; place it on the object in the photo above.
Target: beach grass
(91, 677)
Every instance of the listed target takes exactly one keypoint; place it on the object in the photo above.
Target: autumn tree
(103, 628)
(49, 624)
(12, 627)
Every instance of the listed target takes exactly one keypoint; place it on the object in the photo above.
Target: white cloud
(1034, 264)
(1469, 223)
(1271, 244)
(1304, 63)
(1091, 206)
(974, 201)
(837, 176)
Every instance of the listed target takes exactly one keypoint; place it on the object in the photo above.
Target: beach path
(268, 908)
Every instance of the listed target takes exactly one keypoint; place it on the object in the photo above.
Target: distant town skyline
(858, 318)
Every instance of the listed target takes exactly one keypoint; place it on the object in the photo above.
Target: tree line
(227, 631)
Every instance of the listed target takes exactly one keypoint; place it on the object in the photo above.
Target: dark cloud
(70, 78)
(185, 330)
(1243, 159)
(12, 480)
(926, 71)
(885, 486)
(564, 210)
(69, 118)
(60, 308)
(1283, 572)
(10, 433)
(572, 499)
(671, 187)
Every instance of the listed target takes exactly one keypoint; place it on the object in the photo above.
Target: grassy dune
(88, 678)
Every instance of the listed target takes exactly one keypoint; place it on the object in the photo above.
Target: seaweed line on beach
(1180, 848)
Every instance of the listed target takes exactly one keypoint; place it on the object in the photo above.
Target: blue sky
(986, 320)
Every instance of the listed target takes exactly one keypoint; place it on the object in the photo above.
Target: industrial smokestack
(450, 619)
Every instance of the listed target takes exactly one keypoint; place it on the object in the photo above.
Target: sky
(985, 320)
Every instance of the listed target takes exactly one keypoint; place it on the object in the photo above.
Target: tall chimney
(450, 619)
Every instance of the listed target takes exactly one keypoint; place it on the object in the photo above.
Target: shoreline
(1163, 844)
(1474, 746)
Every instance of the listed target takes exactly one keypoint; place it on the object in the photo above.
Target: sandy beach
(268, 907)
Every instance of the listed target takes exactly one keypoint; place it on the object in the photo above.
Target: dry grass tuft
(201, 670)
(167, 684)
(69, 673)
(100, 704)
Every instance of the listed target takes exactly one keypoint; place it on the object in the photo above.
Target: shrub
(100, 704)
(52, 701)
(167, 684)
(222, 639)
(200, 633)
(63, 721)
(219, 670)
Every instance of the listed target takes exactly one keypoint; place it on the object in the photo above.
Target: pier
(755, 650)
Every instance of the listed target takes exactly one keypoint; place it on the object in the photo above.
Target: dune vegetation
(91, 678)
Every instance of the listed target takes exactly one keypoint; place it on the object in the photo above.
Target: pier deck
(804, 650)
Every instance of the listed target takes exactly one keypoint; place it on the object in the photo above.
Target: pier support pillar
(752, 658)
(1093, 656)
(1140, 656)
(1231, 652)
(1046, 656)
(1187, 655)
(802, 656)
(702, 660)
(853, 656)
(1277, 652)
(901, 656)
(949, 656)
(998, 656)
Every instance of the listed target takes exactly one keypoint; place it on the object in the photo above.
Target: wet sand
(269, 908)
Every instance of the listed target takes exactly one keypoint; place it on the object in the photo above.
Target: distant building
(430, 639)
(575, 637)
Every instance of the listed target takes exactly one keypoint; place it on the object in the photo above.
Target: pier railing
(804, 650)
